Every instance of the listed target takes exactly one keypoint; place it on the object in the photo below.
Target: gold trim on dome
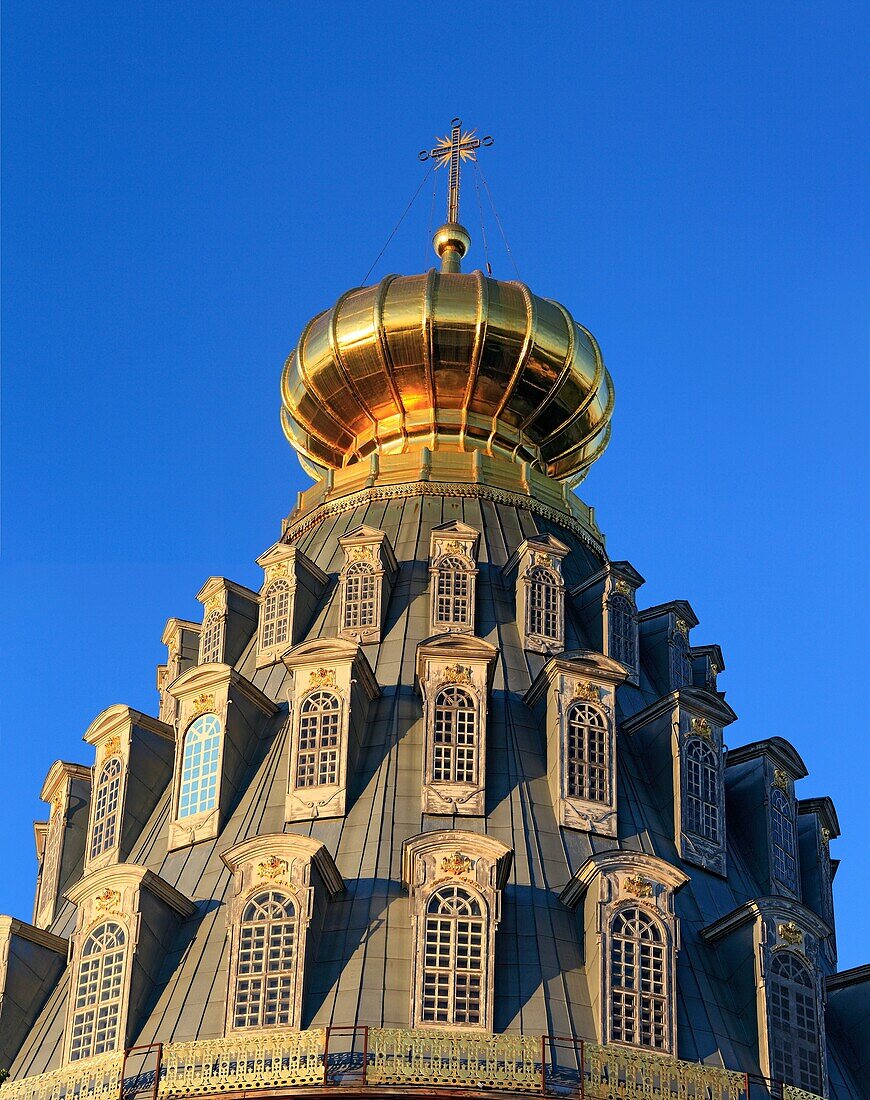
(790, 933)
(322, 677)
(108, 901)
(637, 886)
(202, 704)
(457, 864)
(456, 674)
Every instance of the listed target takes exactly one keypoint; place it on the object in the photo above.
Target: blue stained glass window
(199, 766)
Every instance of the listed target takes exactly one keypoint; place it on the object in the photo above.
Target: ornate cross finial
(452, 241)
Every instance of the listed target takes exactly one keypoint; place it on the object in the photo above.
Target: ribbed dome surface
(453, 361)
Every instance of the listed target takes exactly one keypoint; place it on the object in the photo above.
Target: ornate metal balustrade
(401, 1057)
(89, 1079)
(286, 1059)
(264, 1059)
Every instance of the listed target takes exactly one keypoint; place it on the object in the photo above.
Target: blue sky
(185, 184)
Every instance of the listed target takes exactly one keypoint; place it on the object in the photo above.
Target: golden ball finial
(451, 242)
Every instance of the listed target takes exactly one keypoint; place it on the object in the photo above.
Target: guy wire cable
(396, 226)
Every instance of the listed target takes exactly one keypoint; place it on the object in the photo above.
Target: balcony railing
(363, 1057)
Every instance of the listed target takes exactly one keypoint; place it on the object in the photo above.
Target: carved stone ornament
(108, 901)
(780, 779)
(540, 558)
(273, 868)
(457, 864)
(454, 547)
(57, 804)
(637, 886)
(624, 589)
(790, 933)
(322, 678)
(361, 553)
(213, 603)
(456, 674)
(275, 570)
(202, 704)
(701, 728)
(111, 747)
(585, 690)
(826, 837)
(682, 627)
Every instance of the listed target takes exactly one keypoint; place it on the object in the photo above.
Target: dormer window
(622, 624)
(454, 751)
(537, 563)
(230, 613)
(588, 753)
(274, 619)
(200, 766)
(266, 965)
(782, 837)
(319, 736)
(212, 638)
(703, 790)
(794, 1029)
(67, 789)
(107, 804)
(638, 981)
(365, 583)
(360, 609)
(453, 572)
(99, 988)
(681, 659)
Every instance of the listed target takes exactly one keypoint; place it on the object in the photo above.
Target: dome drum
(452, 362)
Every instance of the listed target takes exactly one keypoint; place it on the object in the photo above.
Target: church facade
(443, 803)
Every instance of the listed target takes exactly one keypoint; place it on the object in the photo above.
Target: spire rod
(452, 240)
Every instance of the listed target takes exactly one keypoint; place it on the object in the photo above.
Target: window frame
(211, 645)
(707, 797)
(287, 975)
(445, 975)
(97, 1006)
(621, 607)
(453, 564)
(583, 759)
(784, 1041)
(276, 616)
(327, 742)
(783, 825)
(115, 756)
(202, 811)
(636, 994)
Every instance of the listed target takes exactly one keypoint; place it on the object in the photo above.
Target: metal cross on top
(452, 150)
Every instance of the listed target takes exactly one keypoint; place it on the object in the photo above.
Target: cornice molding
(450, 841)
(60, 770)
(617, 859)
(11, 926)
(289, 846)
(845, 979)
(823, 807)
(697, 700)
(576, 662)
(779, 751)
(758, 908)
(130, 874)
(281, 551)
(201, 677)
(325, 651)
(215, 584)
(116, 717)
(681, 608)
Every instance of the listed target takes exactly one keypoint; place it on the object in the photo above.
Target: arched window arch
(211, 639)
(544, 604)
(275, 625)
(107, 797)
(453, 593)
(360, 596)
(454, 750)
(97, 993)
(454, 957)
(266, 962)
(681, 663)
(587, 751)
(319, 737)
(794, 1029)
(638, 982)
(783, 839)
(200, 764)
(702, 790)
(622, 626)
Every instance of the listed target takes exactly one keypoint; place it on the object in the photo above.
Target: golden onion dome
(449, 361)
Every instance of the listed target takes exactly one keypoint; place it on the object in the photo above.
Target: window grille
(360, 596)
(782, 834)
(639, 1009)
(199, 766)
(104, 833)
(702, 790)
(48, 883)
(276, 606)
(623, 631)
(794, 1038)
(266, 962)
(317, 755)
(455, 737)
(587, 753)
(453, 593)
(453, 958)
(544, 618)
(681, 663)
(97, 1004)
(211, 642)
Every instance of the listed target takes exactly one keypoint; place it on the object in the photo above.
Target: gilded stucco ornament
(276, 570)
(456, 674)
(202, 704)
(826, 837)
(360, 553)
(273, 868)
(583, 689)
(701, 728)
(457, 864)
(790, 933)
(453, 546)
(682, 627)
(108, 901)
(637, 886)
(111, 747)
(624, 589)
(322, 677)
(780, 780)
(213, 603)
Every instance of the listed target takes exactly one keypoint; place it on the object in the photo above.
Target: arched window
(623, 631)
(360, 596)
(266, 962)
(104, 832)
(454, 752)
(794, 1030)
(681, 663)
(317, 755)
(544, 604)
(587, 753)
(454, 949)
(453, 593)
(638, 993)
(211, 641)
(275, 627)
(199, 766)
(48, 883)
(702, 790)
(782, 835)
(97, 992)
